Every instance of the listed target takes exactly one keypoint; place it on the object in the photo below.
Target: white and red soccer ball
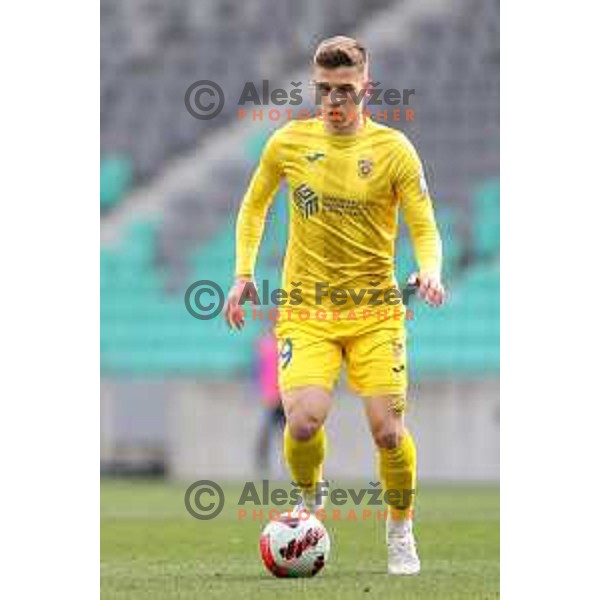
(295, 546)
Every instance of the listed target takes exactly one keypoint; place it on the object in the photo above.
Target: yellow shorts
(375, 357)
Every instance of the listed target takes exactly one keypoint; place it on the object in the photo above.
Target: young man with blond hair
(348, 177)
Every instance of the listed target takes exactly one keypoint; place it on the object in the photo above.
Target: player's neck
(356, 126)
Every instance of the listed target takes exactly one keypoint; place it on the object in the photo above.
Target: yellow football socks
(398, 471)
(305, 458)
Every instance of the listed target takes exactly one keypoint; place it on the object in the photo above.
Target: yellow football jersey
(345, 192)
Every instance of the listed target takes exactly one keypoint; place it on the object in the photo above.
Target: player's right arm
(250, 225)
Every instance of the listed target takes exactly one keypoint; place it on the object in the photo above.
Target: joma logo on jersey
(315, 156)
(306, 200)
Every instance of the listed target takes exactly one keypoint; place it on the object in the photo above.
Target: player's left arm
(417, 209)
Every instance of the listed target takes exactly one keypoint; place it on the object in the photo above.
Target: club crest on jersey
(365, 167)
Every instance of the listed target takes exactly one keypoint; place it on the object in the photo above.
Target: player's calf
(304, 439)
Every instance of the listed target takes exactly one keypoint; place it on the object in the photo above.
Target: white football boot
(310, 503)
(402, 550)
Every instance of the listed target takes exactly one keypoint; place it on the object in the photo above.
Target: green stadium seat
(486, 212)
(452, 244)
(144, 331)
(115, 179)
(463, 337)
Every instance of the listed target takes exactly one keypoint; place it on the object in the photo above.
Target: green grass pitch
(152, 549)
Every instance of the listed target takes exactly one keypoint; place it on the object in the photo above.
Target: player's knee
(303, 427)
(386, 437)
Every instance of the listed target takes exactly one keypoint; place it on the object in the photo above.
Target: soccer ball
(295, 546)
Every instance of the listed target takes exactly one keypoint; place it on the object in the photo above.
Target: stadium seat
(115, 180)
(145, 71)
(486, 209)
(146, 331)
(464, 335)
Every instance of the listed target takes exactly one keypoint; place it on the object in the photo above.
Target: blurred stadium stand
(170, 186)
(153, 50)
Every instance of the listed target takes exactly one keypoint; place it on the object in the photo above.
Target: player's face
(340, 93)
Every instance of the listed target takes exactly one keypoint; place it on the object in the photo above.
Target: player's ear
(366, 84)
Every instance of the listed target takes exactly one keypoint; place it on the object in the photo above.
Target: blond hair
(340, 51)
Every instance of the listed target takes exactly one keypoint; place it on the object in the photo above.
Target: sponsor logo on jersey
(306, 201)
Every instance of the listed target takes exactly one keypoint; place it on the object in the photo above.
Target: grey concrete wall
(208, 429)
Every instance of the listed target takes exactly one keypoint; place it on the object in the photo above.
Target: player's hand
(234, 311)
(430, 288)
